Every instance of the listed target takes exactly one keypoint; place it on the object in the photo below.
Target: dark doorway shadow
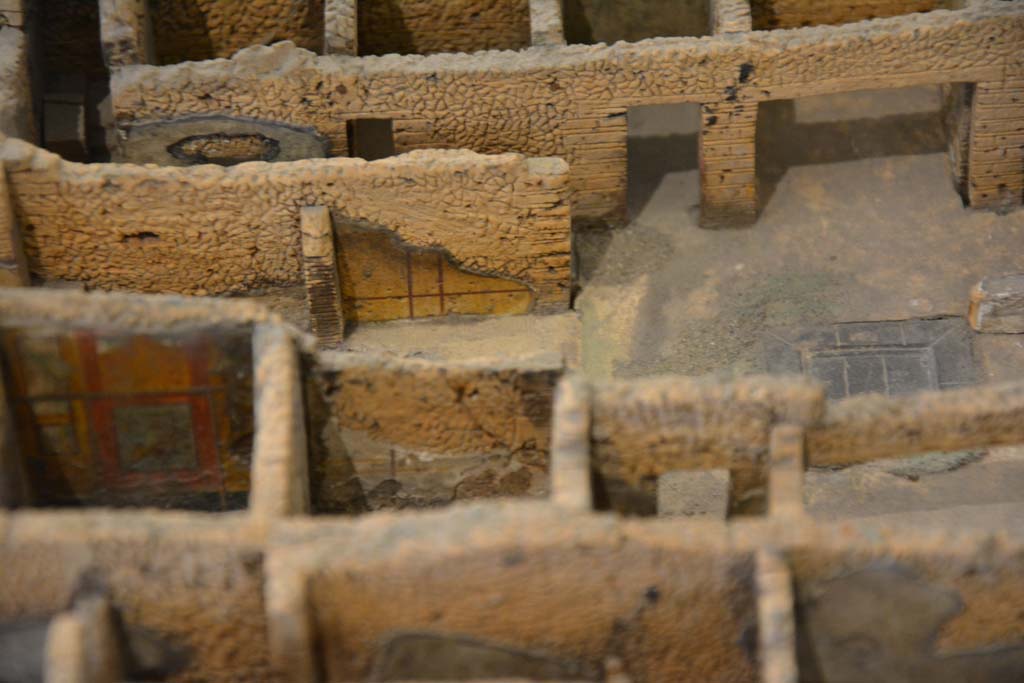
(662, 140)
(783, 143)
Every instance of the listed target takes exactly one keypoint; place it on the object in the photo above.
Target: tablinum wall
(571, 101)
(213, 230)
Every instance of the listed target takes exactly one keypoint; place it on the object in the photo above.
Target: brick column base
(995, 154)
(728, 182)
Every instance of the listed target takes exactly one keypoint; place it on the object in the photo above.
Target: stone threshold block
(997, 305)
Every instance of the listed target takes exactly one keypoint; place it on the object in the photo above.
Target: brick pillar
(546, 23)
(728, 182)
(13, 266)
(595, 147)
(995, 153)
(730, 16)
(126, 33)
(341, 29)
(323, 291)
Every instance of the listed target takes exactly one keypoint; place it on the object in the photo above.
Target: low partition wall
(391, 432)
(614, 440)
(187, 590)
(581, 597)
(131, 401)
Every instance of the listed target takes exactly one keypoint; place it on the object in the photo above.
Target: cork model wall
(187, 30)
(772, 14)
(289, 535)
(216, 230)
(573, 101)
(111, 413)
(428, 26)
(392, 596)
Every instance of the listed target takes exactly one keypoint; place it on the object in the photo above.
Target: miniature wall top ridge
(19, 155)
(286, 57)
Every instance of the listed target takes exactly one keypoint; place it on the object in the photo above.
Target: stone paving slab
(895, 357)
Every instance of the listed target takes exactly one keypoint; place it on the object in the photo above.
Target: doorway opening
(662, 149)
(371, 139)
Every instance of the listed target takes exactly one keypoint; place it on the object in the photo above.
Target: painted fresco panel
(133, 420)
(382, 279)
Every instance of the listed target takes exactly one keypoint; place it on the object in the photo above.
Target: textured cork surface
(673, 615)
(15, 103)
(204, 29)
(212, 230)
(405, 417)
(571, 101)
(193, 583)
(776, 14)
(429, 26)
(404, 432)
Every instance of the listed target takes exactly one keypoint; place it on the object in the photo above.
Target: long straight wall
(213, 230)
(571, 101)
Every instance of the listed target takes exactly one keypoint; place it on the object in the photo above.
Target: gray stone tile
(924, 332)
(866, 374)
(895, 357)
(869, 334)
(910, 372)
(830, 371)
